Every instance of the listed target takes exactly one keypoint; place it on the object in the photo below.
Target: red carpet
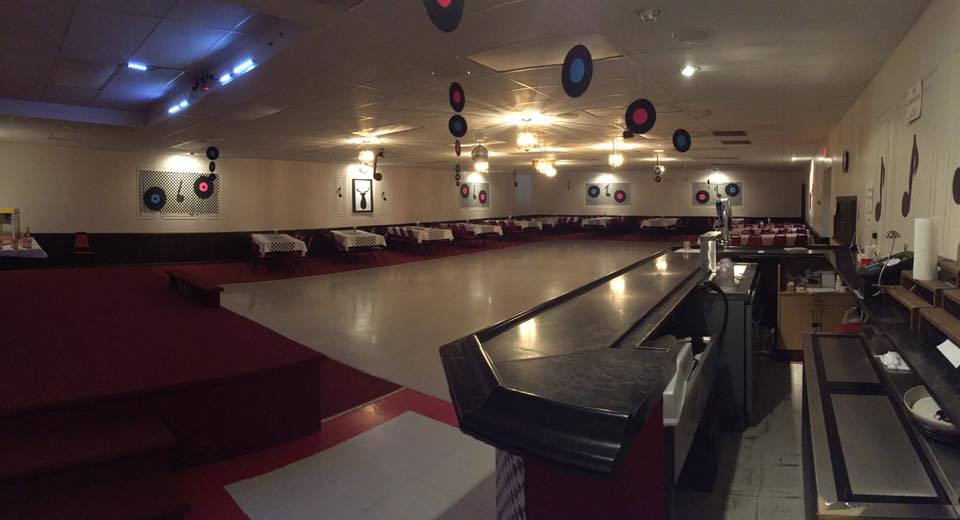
(106, 343)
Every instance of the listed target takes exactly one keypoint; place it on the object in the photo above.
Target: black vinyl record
(203, 187)
(457, 176)
(620, 196)
(482, 197)
(732, 190)
(213, 153)
(154, 199)
(458, 99)
(681, 140)
(956, 186)
(702, 197)
(658, 179)
(457, 147)
(640, 117)
(593, 191)
(457, 168)
(465, 191)
(445, 14)
(577, 71)
(213, 166)
(457, 126)
(846, 161)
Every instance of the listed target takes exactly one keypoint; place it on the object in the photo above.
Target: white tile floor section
(410, 467)
(759, 475)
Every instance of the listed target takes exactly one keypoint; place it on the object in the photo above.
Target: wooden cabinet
(802, 312)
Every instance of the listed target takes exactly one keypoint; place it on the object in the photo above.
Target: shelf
(912, 302)
(930, 290)
(943, 321)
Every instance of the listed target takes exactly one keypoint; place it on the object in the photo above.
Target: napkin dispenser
(709, 244)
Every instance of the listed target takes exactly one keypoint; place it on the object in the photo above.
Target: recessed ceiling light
(649, 15)
(136, 65)
(689, 70)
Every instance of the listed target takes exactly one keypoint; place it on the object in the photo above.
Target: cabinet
(801, 312)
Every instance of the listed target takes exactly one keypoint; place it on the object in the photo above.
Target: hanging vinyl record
(457, 168)
(154, 199)
(482, 197)
(681, 140)
(465, 191)
(203, 187)
(620, 196)
(445, 14)
(577, 71)
(593, 191)
(457, 126)
(457, 177)
(213, 166)
(702, 197)
(956, 186)
(458, 99)
(457, 148)
(658, 179)
(732, 190)
(641, 116)
(846, 161)
(213, 153)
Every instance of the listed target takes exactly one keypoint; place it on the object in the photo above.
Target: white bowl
(924, 408)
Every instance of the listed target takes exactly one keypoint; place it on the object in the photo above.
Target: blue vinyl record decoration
(155, 198)
(445, 14)
(577, 71)
(682, 141)
(457, 126)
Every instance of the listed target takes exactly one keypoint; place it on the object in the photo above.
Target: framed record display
(178, 195)
(474, 195)
(607, 194)
(706, 194)
(363, 195)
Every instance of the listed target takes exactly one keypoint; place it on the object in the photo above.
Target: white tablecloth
(279, 243)
(659, 222)
(352, 239)
(424, 234)
(596, 221)
(484, 229)
(549, 221)
(527, 224)
(35, 251)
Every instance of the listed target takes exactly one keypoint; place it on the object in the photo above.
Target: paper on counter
(951, 352)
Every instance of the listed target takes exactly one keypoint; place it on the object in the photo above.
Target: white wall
(62, 189)
(876, 127)
(765, 194)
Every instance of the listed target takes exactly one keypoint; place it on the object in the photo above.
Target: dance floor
(390, 321)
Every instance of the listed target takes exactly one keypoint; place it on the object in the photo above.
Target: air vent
(729, 133)
(736, 141)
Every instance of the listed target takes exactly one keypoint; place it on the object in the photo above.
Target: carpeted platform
(88, 345)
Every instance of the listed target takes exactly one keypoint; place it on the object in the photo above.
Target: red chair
(801, 241)
(780, 240)
(735, 240)
(755, 241)
(81, 247)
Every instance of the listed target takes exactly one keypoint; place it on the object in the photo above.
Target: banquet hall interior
(485, 259)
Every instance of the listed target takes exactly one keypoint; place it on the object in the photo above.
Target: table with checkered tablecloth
(527, 224)
(355, 239)
(279, 243)
(483, 229)
(596, 222)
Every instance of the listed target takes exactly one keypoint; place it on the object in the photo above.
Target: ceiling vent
(729, 133)
(730, 142)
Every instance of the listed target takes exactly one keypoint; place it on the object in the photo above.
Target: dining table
(279, 243)
(596, 222)
(483, 229)
(427, 234)
(358, 239)
(33, 251)
(549, 221)
(767, 239)
(524, 225)
(659, 222)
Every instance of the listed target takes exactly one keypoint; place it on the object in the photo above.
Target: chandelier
(481, 162)
(366, 157)
(615, 160)
(545, 166)
(527, 140)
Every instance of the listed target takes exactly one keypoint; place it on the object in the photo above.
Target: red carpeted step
(157, 497)
(50, 462)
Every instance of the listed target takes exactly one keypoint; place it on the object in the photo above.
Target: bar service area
(610, 401)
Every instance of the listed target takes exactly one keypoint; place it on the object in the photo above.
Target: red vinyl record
(457, 148)
(465, 191)
(640, 116)
(458, 99)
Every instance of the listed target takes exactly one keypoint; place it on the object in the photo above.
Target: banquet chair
(734, 240)
(755, 241)
(801, 240)
(304, 256)
(258, 257)
(780, 240)
(81, 247)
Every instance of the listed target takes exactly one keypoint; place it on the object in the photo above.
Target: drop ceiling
(783, 72)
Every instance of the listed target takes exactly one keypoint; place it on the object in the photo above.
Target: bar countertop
(564, 381)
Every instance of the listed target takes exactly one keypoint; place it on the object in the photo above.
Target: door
(826, 195)
(845, 220)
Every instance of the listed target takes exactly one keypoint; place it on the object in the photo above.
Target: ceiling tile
(24, 74)
(104, 36)
(152, 8)
(83, 74)
(178, 44)
(211, 13)
(69, 95)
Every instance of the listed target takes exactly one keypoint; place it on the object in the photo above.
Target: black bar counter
(565, 382)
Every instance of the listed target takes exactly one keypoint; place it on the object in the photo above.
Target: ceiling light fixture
(481, 158)
(226, 78)
(526, 140)
(547, 167)
(689, 70)
(649, 15)
(136, 65)
(615, 160)
(366, 157)
(244, 67)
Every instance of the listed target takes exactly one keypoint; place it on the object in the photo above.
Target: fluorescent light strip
(136, 65)
(226, 78)
(244, 67)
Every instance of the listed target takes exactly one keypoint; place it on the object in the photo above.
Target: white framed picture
(362, 195)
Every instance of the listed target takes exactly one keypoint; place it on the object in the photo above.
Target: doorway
(845, 220)
(826, 219)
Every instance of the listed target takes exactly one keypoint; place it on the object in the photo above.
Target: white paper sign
(951, 352)
(914, 102)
